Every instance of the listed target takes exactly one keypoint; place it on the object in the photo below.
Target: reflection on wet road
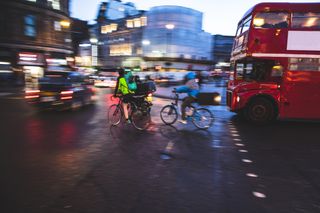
(77, 162)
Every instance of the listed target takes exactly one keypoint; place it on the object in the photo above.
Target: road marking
(237, 139)
(239, 144)
(235, 135)
(259, 195)
(252, 175)
(243, 151)
(5, 94)
(234, 131)
(246, 161)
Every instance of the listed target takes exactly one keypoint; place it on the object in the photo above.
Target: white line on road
(259, 195)
(247, 161)
(252, 175)
(239, 144)
(243, 151)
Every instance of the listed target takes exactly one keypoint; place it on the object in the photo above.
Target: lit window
(109, 28)
(137, 22)
(55, 4)
(306, 20)
(271, 20)
(130, 23)
(304, 64)
(114, 27)
(143, 21)
(57, 26)
(30, 25)
(32, 0)
(120, 49)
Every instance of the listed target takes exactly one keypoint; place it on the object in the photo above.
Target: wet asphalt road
(75, 162)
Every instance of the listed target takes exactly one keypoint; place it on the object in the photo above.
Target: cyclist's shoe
(183, 121)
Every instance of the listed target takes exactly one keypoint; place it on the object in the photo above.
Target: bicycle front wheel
(114, 114)
(140, 119)
(169, 114)
(202, 118)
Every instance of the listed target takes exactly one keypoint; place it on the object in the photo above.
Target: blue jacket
(191, 88)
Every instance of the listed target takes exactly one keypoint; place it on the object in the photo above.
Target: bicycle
(138, 111)
(201, 117)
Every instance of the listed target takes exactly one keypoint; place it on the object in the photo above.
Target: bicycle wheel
(114, 114)
(140, 119)
(202, 118)
(169, 114)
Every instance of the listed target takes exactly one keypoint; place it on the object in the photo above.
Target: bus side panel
(301, 95)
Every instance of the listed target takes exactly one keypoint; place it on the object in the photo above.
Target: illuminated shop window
(57, 26)
(130, 23)
(30, 25)
(120, 49)
(55, 4)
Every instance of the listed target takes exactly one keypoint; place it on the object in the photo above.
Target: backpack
(132, 85)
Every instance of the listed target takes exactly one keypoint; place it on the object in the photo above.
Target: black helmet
(121, 71)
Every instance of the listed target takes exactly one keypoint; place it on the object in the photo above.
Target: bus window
(246, 25)
(271, 20)
(306, 20)
(240, 70)
(304, 64)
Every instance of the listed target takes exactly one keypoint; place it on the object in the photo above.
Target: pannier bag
(145, 87)
(209, 98)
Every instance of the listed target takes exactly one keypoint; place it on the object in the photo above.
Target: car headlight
(217, 99)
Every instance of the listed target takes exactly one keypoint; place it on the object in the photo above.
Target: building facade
(221, 49)
(166, 38)
(34, 35)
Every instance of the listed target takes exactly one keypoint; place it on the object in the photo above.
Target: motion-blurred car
(62, 90)
(106, 81)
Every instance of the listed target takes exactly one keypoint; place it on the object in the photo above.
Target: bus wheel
(260, 110)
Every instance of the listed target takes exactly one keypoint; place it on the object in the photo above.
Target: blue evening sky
(220, 16)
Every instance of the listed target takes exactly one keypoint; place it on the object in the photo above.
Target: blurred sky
(219, 16)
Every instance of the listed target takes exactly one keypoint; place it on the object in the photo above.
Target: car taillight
(66, 95)
(30, 94)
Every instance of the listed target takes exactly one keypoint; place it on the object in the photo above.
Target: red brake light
(66, 92)
(66, 95)
(30, 94)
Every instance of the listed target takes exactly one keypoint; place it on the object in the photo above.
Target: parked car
(62, 90)
(106, 81)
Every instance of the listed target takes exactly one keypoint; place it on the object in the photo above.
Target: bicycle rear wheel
(169, 114)
(202, 118)
(114, 114)
(140, 119)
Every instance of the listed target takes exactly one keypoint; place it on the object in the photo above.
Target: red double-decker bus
(276, 63)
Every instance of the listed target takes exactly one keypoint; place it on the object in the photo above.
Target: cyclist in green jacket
(123, 89)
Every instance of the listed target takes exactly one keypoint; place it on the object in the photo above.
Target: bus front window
(271, 20)
(254, 71)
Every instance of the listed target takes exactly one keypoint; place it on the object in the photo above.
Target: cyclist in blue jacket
(192, 89)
